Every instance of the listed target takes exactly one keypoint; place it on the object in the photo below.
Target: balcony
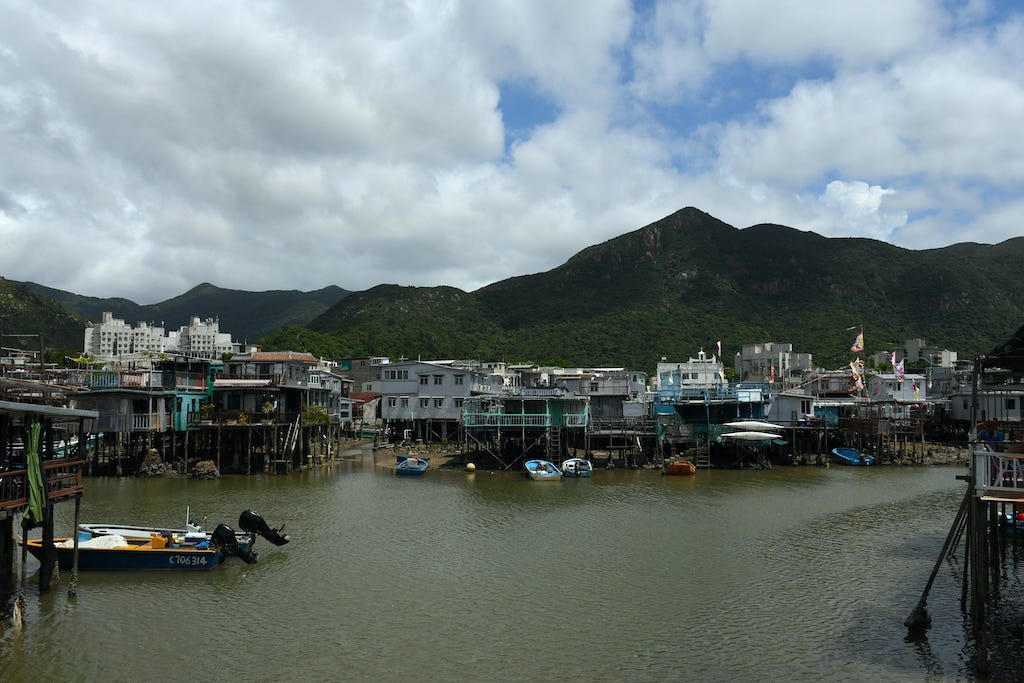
(999, 471)
(139, 379)
(520, 420)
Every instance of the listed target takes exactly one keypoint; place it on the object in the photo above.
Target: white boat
(752, 425)
(750, 436)
(577, 467)
(250, 522)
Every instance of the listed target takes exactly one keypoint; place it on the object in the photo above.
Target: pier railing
(520, 420)
(63, 479)
(999, 470)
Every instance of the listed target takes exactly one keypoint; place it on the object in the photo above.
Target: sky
(148, 147)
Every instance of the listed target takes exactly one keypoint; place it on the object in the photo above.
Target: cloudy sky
(147, 147)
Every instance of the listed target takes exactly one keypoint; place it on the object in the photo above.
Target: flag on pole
(898, 369)
(771, 373)
(893, 360)
(858, 382)
(719, 348)
(858, 343)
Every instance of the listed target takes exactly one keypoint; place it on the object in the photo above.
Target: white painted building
(700, 372)
(757, 360)
(113, 338)
(432, 390)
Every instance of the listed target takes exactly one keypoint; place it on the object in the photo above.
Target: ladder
(555, 445)
(703, 458)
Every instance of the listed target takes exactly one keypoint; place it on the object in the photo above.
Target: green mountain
(25, 312)
(668, 289)
(245, 315)
(686, 282)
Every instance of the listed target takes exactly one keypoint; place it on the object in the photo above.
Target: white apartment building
(112, 338)
(759, 359)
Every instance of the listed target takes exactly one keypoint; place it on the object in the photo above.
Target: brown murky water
(796, 574)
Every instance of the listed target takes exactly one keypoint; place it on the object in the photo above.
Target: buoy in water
(470, 467)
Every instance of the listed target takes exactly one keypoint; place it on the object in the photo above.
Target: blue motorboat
(851, 456)
(577, 467)
(542, 470)
(411, 465)
(123, 546)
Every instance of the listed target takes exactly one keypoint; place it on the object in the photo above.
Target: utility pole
(3, 363)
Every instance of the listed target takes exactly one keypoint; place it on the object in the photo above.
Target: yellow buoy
(470, 467)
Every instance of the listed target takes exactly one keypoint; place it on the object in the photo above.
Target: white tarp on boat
(111, 541)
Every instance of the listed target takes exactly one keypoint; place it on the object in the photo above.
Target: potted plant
(206, 413)
(243, 418)
(268, 409)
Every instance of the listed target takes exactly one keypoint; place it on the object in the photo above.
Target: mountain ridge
(669, 288)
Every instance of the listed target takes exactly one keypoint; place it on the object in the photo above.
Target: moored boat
(411, 465)
(680, 467)
(115, 552)
(126, 546)
(541, 470)
(851, 456)
(577, 467)
(753, 425)
(249, 522)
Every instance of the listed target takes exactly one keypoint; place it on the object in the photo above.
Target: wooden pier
(35, 476)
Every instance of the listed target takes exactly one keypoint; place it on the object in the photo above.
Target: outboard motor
(253, 522)
(224, 538)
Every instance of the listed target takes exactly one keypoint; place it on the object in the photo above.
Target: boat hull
(851, 456)
(577, 467)
(131, 557)
(542, 470)
(410, 466)
(681, 467)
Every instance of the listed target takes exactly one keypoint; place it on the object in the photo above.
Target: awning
(240, 383)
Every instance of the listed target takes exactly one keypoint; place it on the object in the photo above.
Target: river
(795, 574)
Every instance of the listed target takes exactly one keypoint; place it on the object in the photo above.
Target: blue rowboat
(542, 470)
(410, 465)
(851, 456)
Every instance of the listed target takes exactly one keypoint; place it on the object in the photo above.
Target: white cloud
(790, 31)
(293, 146)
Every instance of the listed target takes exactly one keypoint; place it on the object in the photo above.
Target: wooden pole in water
(73, 584)
(919, 618)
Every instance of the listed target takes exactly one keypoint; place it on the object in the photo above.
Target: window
(405, 402)
(438, 402)
(1011, 404)
(459, 402)
(424, 379)
(438, 379)
(392, 402)
(424, 402)
(593, 386)
(459, 379)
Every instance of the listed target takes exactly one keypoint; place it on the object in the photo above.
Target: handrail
(63, 479)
